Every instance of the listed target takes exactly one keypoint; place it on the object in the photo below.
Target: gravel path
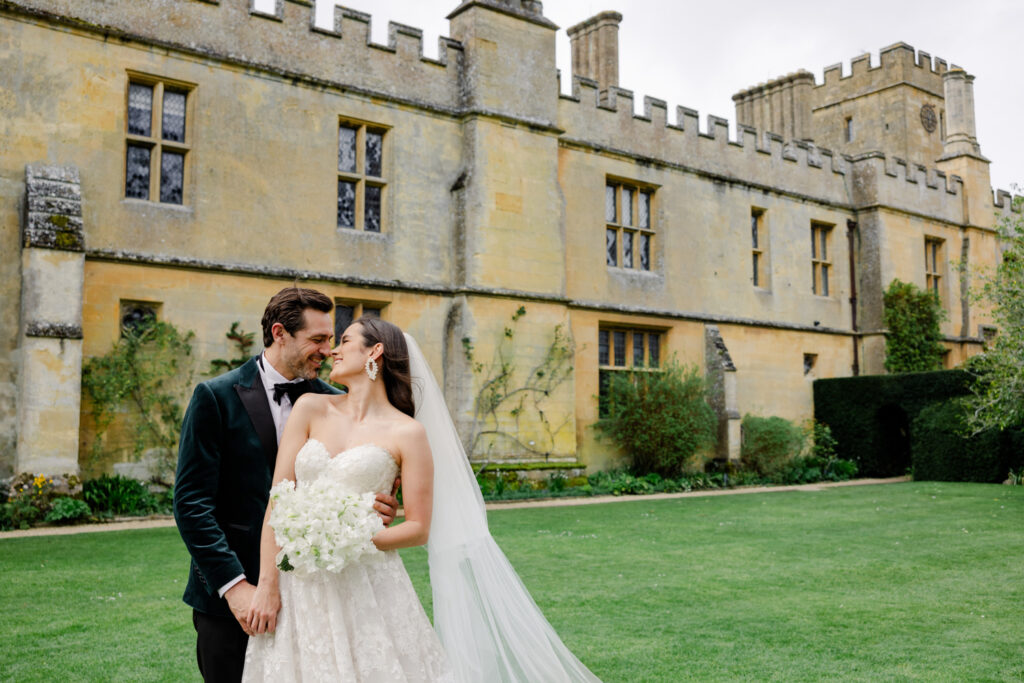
(158, 521)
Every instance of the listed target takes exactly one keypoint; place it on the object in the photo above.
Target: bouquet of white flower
(320, 526)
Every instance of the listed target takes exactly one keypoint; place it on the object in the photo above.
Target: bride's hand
(266, 603)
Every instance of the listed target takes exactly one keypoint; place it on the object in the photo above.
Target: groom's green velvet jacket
(225, 465)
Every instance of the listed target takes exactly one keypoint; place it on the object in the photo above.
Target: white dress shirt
(280, 411)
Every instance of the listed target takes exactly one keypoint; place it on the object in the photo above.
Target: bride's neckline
(352, 448)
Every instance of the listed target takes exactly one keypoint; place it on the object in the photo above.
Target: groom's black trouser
(220, 647)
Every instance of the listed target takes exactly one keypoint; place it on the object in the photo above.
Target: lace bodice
(367, 467)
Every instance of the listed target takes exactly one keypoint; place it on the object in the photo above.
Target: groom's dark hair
(287, 307)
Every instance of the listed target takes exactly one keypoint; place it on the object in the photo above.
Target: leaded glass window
(347, 149)
(820, 264)
(137, 174)
(172, 176)
(933, 266)
(157, 146)
(173, 124)
(374, 150)
(346, 204)
(622, 349)
(611, 247)
(361, 157)
(759, 248)
(346, 312)
(619, 339)
(373, 208)
(140, 109)
(628, 226)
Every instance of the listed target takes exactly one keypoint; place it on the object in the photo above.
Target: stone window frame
(848, 131)
(155, 142)
(620, 232)
(360, 178)
(821, 258)
(934, 260)
(608, 357)
(760, 268)
(356, 308)
(122, 311)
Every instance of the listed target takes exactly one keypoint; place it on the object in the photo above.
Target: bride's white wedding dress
(364, 623)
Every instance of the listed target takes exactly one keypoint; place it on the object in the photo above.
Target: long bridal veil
(489, 625)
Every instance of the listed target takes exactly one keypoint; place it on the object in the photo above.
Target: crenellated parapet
(284, 41)
(1007, 203)
(869, 180)
(898, 63)
(878, 181)
(608, 123)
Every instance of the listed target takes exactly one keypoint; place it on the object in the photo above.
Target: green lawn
(915, 581)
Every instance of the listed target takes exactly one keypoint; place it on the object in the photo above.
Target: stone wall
(493, 198)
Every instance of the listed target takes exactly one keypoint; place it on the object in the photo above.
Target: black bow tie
(292, 389)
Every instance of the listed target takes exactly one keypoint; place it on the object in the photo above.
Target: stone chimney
(595, 49)
(961, 137)
(781, 106)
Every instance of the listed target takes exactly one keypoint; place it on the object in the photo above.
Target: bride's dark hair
(394, 362)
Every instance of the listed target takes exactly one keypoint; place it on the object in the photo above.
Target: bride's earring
(371, 369)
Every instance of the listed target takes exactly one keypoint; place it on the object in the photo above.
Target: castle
(188, 159)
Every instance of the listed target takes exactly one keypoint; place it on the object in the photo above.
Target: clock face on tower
(928, 118)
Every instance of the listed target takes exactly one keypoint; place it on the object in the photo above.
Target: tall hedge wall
(941, 452)
(871, 416)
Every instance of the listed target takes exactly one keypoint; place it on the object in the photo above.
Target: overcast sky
(697, 54)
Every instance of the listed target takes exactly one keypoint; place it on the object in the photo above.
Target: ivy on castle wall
(912, 317)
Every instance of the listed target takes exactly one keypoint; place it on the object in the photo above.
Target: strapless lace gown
(364, 623)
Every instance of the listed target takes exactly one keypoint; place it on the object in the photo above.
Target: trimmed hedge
(871, 416)
(941, 452)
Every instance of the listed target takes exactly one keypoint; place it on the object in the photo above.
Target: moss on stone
(59, 221)
(66, 239)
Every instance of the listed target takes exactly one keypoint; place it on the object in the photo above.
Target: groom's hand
(387, 505)
(239, 599)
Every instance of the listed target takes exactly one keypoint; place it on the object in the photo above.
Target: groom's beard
(305, 367)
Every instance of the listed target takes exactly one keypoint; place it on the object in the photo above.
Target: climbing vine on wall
(510, 403)
(142, 383)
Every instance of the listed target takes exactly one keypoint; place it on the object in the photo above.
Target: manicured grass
(915, 581)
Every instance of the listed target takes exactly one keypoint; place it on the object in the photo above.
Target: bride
(364, 622)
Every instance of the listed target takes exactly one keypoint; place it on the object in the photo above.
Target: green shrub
(18, 513)
(66, 510)
(810, 469)
(557, 481)
(119, 495)
(27, 497)
(940, 450)
(769, 443)
(660, 419)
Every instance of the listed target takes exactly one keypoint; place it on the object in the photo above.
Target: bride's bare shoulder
(408, 429)
(314, 404)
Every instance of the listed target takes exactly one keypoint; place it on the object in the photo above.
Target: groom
(225, 465)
